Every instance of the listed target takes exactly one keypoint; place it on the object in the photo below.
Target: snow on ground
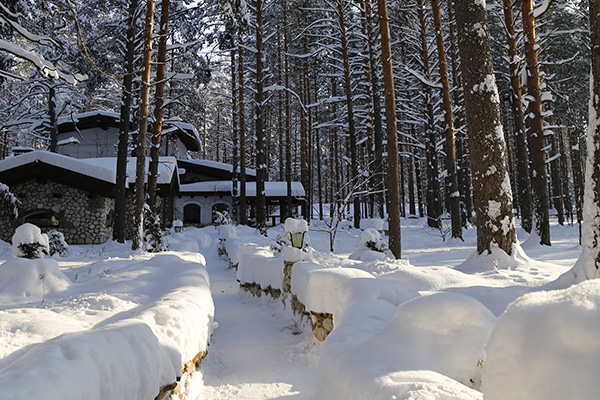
(124, 312)
(258, 351)
(108, 324)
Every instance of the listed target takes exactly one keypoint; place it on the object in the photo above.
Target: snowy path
(257, 352)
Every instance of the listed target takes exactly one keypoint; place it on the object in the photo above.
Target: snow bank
(399, 385)
(364, 308)
(25, 280)
(130, 354)
(226, 232)
(546, 346)
(262, 268)
(444, 333)
(497, 259)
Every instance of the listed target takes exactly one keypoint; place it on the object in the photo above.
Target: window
(191, 214)
(43, 219)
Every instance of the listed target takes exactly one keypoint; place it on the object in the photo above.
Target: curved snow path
(257, 351)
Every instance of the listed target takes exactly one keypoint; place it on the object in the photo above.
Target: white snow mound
(546, 346)
(26, 280)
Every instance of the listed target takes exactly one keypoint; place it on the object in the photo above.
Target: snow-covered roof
(88, 115)
(166, 167)
(69, 163)
(103, 169)
(187, 133)
(219, 166)
(272, 189)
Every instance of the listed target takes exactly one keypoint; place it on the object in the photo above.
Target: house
(206, 187)
(73, 196)
(73, 191)
(96, 134)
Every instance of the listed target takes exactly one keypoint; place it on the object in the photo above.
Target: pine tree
(491, 184)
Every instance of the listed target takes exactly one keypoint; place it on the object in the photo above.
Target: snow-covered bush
(154, 235)
(372, 247)
(9, 204)
(371, 239)
(57, 243)
(222, 218)
(29, 242)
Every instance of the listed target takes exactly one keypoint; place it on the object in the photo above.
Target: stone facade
(82, 217)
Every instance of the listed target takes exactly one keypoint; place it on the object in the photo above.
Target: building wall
(93, 142)
(206, 204)
(83, 217)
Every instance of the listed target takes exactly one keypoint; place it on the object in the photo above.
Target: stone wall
(83, 217)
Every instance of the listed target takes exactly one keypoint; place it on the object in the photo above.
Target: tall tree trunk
(588, 264)
(462, 145)
(280, 112)
(158, 105)
(140, 170)
(577, 175)
(126, 96)
(565, 175)
(491, 184)
(242, 126)
(523, 176)
(452, 179)
(392, 134)
(288, 129)
(350, 110)
(261, 161)
(434, 207)
(235, 138)
(378, 174)
(535, 126)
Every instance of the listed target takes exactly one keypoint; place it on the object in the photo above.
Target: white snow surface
(123, 323)
(103, 323)
(546, 346)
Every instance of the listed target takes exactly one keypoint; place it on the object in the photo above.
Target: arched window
(219, 210)
(191, 214)
(42, 219)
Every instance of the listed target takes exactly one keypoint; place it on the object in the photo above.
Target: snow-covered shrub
(9, 204)
(29, 242)
(222, 218)
(371, 239)
(372, 247)
(154, 235)
(57, 243)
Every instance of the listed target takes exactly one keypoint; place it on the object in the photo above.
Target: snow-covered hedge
(135, 353)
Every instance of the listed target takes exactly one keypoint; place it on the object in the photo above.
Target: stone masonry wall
(84, 218)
